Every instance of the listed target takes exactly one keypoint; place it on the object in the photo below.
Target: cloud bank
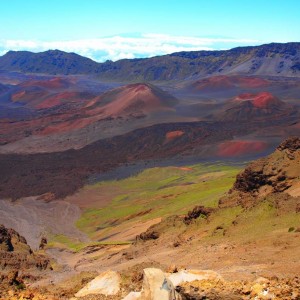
(119, 47)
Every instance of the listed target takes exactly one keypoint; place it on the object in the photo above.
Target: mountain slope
(240, 242)
(271, 59)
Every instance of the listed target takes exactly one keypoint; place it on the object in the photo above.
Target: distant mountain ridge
(49, 62)
(273, 59)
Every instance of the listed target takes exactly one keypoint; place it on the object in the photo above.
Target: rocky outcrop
(15, 254)
(277, 173)
(10, 240)
(290, 145)
(19, 265)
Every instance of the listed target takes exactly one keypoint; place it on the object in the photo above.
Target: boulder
(191, 275)
(157, 287)
(133, 296)
(107, 283)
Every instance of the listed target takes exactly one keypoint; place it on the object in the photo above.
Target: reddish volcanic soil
(171, 135)
(67, 111)
(55, 83)
(217, 82)
(239, 148)
(44, 94)
(264, 100)
(252, 82)
(133, 98)
(245, 96)
(68, 125)
(261, 107)
(57, 99)
(260, 100)
(225, 82)
(28, 96)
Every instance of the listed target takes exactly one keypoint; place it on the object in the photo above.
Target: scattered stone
(43, 243)
(176, 243)
(256, 289)
(148, 235)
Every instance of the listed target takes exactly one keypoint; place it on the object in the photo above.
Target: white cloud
(119, 47)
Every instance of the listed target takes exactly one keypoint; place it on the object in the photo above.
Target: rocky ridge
(270, 59)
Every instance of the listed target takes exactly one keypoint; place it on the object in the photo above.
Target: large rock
(157, 287)
(133, 296)
(107, 283)
(191, 275)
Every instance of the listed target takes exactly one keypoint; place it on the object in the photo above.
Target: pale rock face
(191, 275)
(157, 287)
(107, 283)
(133, 296)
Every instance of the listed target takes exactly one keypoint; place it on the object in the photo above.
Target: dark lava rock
(292, 144)
(250, 180)
(196, 213)
(149, 235)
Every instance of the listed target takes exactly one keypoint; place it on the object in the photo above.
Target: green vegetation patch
(65, 242)
(157, 192)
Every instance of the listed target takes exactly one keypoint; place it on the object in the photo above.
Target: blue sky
(114, 29)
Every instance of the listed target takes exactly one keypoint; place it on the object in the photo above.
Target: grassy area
(157, 192)
(259, 222)
(165, 191)
(65, 242)
(62, 241)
